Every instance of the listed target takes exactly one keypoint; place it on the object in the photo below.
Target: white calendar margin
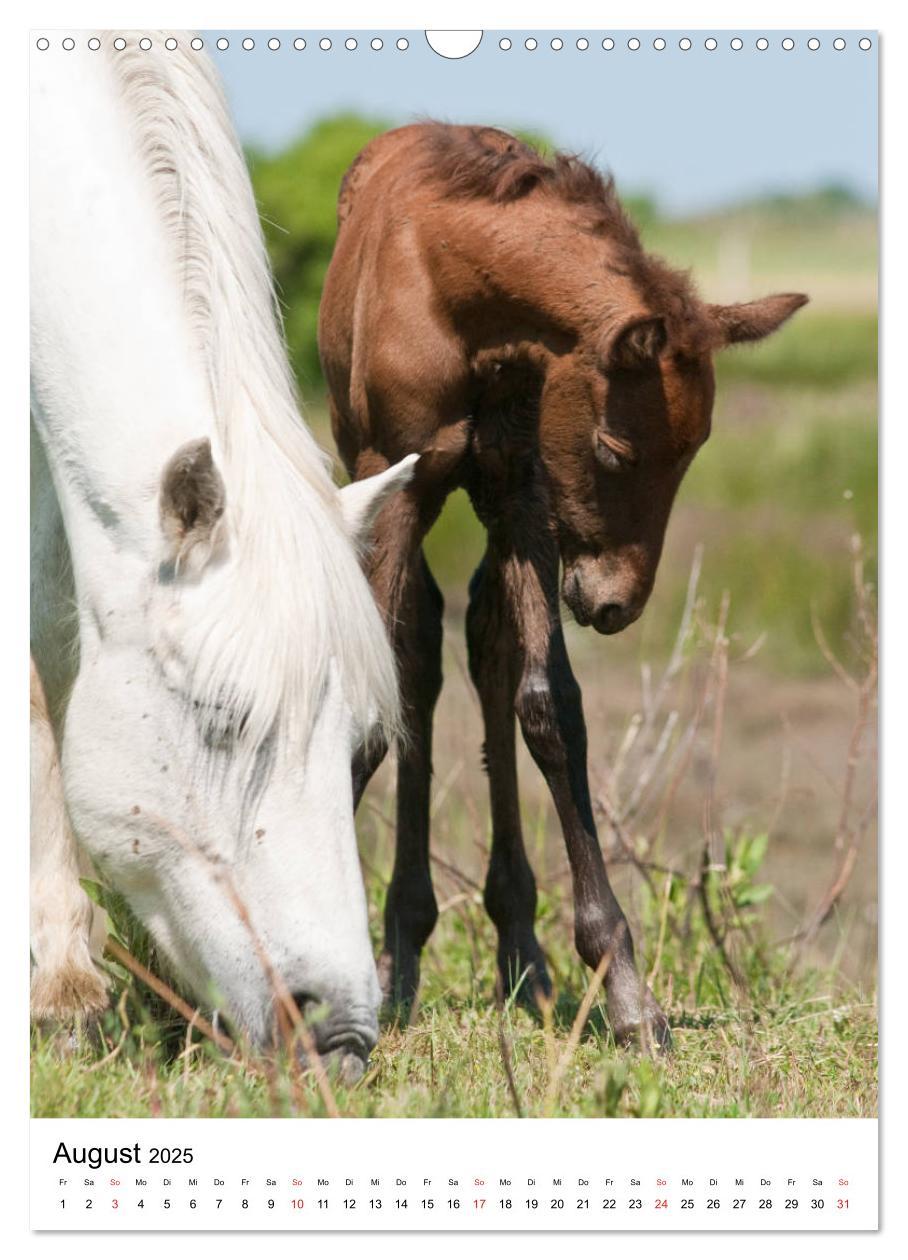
(501, 14)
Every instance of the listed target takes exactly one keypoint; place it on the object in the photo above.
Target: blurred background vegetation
(790, 473)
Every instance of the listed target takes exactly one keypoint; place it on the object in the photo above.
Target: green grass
(775, 500)
(812, 1055)
(781, 589)
(777, 1043)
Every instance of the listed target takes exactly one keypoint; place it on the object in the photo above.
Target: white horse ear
(192, 504)
(361, 500)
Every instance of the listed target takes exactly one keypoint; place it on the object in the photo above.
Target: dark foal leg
(549, 708)
(411, 909)
(551, 717)
(510, 890)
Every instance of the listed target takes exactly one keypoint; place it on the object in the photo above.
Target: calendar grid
(473, 1175)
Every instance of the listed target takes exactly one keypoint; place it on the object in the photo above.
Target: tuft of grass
(782, 590)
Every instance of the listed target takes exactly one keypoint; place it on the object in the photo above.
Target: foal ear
(361, 500)
(751, 321)
(635, 344)
(191, 505)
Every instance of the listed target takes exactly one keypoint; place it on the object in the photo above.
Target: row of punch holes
(556, 43)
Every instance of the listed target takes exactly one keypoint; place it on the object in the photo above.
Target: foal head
(622, 417)
(561, 298)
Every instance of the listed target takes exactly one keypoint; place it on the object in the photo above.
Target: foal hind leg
(65, 986)
(411, 910)
(510, 889)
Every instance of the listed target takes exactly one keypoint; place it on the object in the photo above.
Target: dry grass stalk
(663, 923)
(504, 1045)
(850, 831)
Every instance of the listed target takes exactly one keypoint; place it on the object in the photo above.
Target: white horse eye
(221, 724)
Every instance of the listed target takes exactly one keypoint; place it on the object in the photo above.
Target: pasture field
(732, 761)
(805, 1047)
(763, 1041)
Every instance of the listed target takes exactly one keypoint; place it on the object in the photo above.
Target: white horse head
(230, 656)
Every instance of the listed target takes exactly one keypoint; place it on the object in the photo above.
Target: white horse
(208, 654)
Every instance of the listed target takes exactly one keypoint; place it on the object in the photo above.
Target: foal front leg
(549, 708)
(510, 889)
(410, 909)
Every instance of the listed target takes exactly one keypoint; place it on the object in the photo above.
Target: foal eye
(613, 452)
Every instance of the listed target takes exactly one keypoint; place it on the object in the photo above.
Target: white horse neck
(116, 372)
(153, 324)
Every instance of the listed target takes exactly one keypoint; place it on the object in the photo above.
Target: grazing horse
(207, 651)
(496, 312)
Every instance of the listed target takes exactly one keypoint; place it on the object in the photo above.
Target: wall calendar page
(454, 646)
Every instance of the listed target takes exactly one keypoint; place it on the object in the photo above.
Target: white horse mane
(299, 599)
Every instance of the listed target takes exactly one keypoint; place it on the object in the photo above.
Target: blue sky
(697, 129)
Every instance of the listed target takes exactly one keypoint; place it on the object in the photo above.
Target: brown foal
(496, 312)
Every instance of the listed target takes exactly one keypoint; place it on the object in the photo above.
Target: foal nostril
(610, 618)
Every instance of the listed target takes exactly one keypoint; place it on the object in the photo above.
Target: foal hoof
(398, 979)
(647, 1029)
(525, 977)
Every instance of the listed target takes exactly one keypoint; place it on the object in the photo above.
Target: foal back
(398, 370)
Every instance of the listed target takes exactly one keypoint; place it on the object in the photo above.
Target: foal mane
(487, 162)
(484, 163)
(298, 601)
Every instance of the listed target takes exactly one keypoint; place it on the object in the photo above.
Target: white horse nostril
(350, 1068)
(305, 1001)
